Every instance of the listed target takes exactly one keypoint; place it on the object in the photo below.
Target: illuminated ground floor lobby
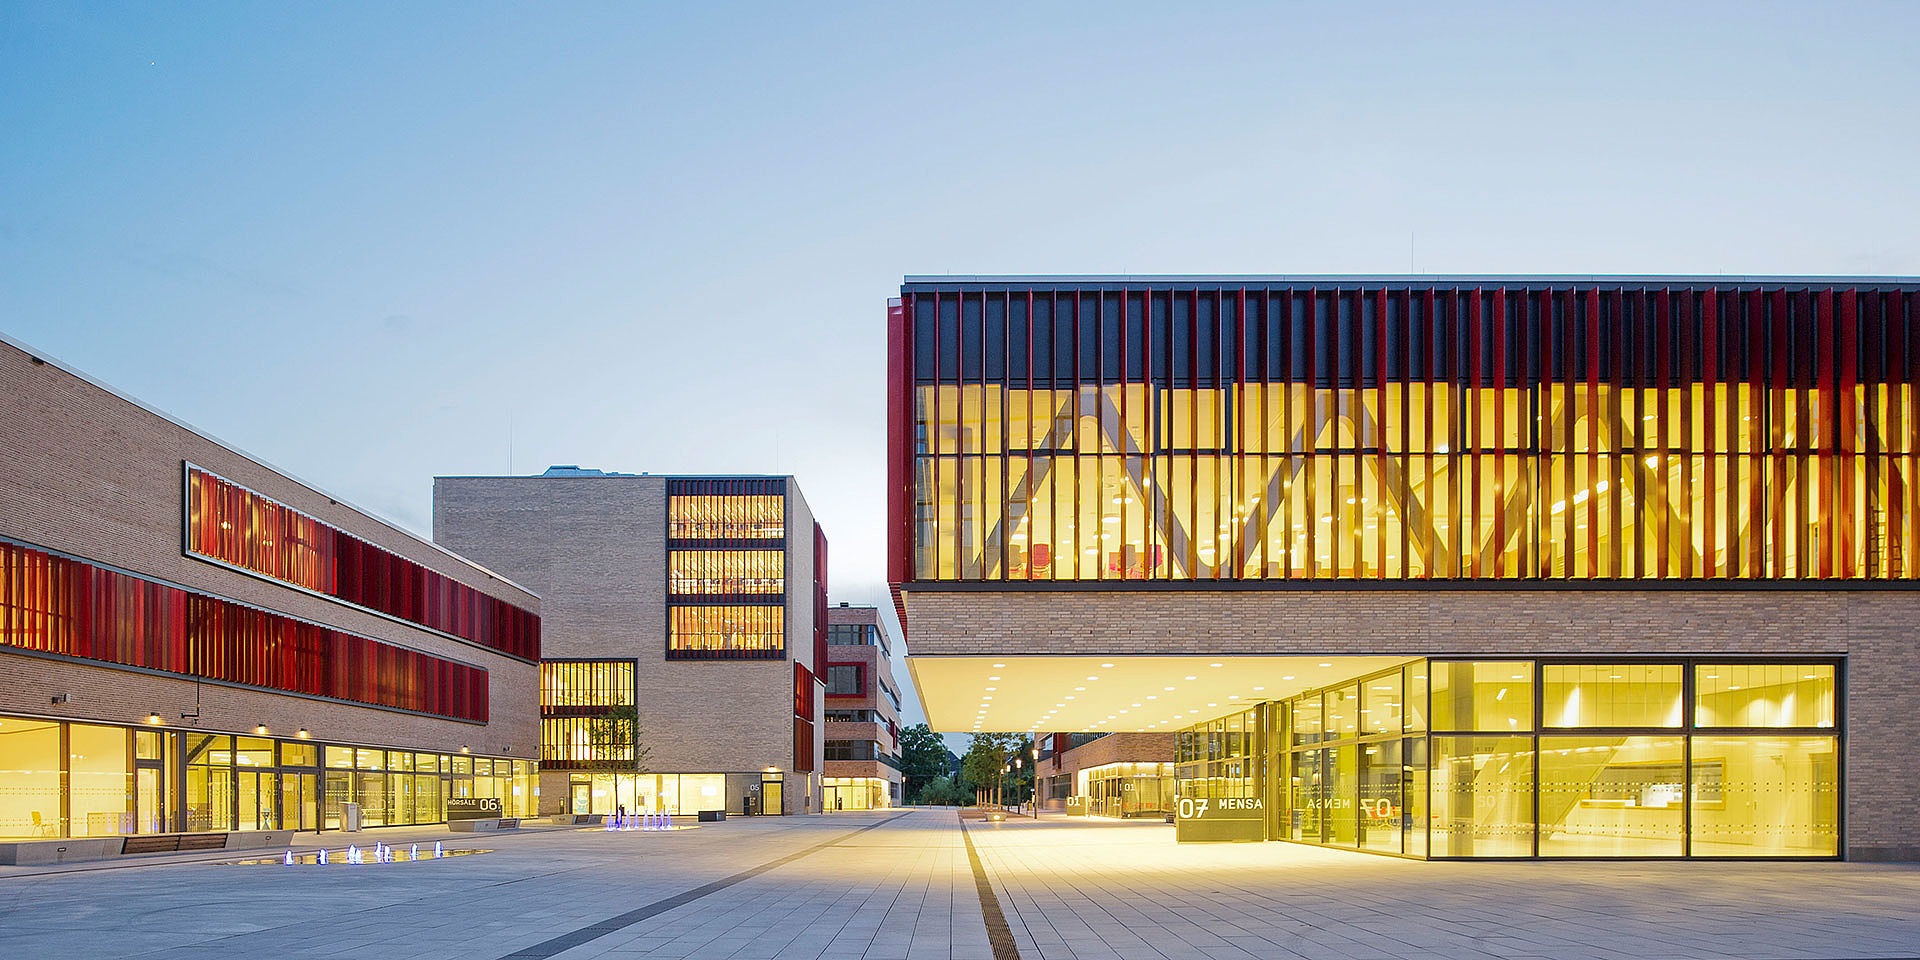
(1441, 758)
(764, 793)
(70, 779)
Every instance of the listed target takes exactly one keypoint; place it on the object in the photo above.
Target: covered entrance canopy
(1114, 693)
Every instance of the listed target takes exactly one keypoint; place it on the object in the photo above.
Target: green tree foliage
(922, 759)
(615, 735)
(989, 762)
(941, 791)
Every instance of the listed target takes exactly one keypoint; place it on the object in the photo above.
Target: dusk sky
(372, 243)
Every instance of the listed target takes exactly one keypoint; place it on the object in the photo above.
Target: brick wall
(86, 472)
(595, 548)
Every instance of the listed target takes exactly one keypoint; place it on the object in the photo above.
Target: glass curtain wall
(726, 569)
(680, 794)
(855, 793)
(1352, 769)
(60, 780)
(1127, 790)
(1528, 758)
(1509, 432)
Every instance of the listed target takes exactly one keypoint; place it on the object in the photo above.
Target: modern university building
(1431, 566)
(684, 633)
(197, 646)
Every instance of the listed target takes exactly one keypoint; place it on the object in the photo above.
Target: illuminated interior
(726, 568)
(90, 780)
(1288, 433)
(586, 713)
(1517, 758)
(855, 793)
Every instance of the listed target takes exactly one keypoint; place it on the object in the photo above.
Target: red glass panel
(58, 605)
(231, 524)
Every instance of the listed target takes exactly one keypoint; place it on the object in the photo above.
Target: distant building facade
(684, 626)
(862, 711)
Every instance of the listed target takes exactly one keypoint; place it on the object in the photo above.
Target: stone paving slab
(905, 890)
(1082, 889)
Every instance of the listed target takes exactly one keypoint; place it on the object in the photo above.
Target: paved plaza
(898, 886)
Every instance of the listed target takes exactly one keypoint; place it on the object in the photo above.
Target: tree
(615, 735)
(940, 791)
(923, 757)
(989, 765)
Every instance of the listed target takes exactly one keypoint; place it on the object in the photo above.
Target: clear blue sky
(361, 240)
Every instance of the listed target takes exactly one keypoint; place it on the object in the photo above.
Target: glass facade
(726, 569)
(395, 787)
(587, 715)
(230, 524)
(1553, 758)
(1124, 790)
(58, 605)
(855, 793)
(1547, 431)
(61, 780)
(680, 794)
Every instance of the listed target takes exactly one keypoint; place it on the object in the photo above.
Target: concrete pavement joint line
(591, 932)
(999, 935)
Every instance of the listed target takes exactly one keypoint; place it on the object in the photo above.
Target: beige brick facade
(595, 547)
(91, 474)
(1874, 629)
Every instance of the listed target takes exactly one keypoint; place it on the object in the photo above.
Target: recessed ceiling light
(1326, 664)
(986, 698)
(1153, 696)
(1081, 689)
(1069, 696)
(1216, 664)
(1193, 678)
(1167, 688)
(998, 665)
(1093, 678)
(993, 688)
(993, 678)
(1259, 688)
(1287, 677)
(1106, 666)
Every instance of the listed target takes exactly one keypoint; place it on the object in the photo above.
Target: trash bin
(350, 817)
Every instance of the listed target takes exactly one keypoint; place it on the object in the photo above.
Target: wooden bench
(171, 842)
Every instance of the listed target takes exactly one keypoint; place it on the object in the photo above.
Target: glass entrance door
(772, 800)
(582, 797)
(149, 804)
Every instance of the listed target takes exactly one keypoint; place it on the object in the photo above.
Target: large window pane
(1482, 796)
(1415, 685)
(30, 779)
(1765, 796)
(1612, 695)
(1383, 792)
(101, 780)
(1763, 695)
(1343, 788)
(1487, 696)
(1384, 705)
(1611, 796)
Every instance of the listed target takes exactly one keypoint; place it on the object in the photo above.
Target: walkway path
(894, 886)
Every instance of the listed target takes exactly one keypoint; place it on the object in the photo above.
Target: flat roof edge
(1398, 279)
(427, 542)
